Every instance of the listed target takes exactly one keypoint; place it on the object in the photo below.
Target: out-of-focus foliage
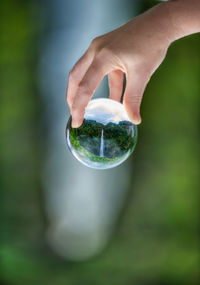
(156, 240)
(20, 144)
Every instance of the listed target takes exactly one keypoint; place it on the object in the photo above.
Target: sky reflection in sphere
(106, 138)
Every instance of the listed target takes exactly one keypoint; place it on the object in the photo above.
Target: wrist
(184, 17)
(175, 19)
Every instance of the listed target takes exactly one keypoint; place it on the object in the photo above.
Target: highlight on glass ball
(106, 138)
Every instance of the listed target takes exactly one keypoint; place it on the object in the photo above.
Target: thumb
(135, 86)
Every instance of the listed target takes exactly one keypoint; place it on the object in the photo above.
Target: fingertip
(134, 116)
(76, 124)
(137, 120)
(77, 119)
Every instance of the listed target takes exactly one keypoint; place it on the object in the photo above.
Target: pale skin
(135, 49)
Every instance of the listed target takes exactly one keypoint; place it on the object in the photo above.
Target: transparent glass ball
(106, 138)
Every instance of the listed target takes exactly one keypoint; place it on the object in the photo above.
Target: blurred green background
(156, 237)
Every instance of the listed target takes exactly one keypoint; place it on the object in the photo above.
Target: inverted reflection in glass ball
(106, 138)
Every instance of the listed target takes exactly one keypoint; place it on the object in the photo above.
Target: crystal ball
(106, 138)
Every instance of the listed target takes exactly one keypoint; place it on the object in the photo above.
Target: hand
(136, 49)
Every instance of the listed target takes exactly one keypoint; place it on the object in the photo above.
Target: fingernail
(75, 124)
(137, 120)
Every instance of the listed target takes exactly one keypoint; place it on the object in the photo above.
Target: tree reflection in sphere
(106, 138)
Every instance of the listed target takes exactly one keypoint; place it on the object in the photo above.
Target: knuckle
(72, 76)
(69, 101)
(134, 100)
(96, 64)
(73, 108)
(95, 41)
(77, 110)
(83, 88)
(147, 76)
(105, 52)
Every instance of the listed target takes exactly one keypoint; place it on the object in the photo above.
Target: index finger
(93, 77)
(76, 75)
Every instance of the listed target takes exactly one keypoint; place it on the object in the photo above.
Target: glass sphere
(106, 138)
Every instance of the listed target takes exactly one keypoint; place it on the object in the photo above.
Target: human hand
(136, 49)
